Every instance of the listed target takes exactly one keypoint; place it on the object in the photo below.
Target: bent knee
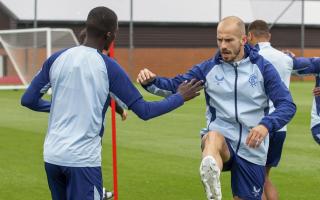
(214, 135)
(210, 138)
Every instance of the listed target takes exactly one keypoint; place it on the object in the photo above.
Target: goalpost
(22, 52)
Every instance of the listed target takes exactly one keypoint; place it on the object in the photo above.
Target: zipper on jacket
(236, 105)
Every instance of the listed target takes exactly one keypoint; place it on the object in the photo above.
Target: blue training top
(237, 96)
(310, 66)
(82, 80)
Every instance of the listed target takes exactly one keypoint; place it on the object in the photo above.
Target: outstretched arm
(146, 79)
(163, 86)
(306, 66)
(122, 87)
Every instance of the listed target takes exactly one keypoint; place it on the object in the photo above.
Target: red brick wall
(21, 58)
(164, 61)
(172, 61)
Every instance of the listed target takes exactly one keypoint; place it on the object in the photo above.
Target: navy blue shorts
(74, 183)
(276, 141)
(247, 179)
(316, 133)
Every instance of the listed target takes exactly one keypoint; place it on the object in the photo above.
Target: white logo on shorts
(256, 192)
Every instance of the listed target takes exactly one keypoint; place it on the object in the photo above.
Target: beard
(231, 55)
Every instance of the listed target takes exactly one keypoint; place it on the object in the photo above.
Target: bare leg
(214, 144)
(269, 190)
(214, 152)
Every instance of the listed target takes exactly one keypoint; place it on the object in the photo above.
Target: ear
(269, 36)
(244, 39)
(107, 35)
(249, 36)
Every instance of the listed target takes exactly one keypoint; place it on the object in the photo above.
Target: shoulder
(258, 59)
(55, 55)
(277, 57)
(207, 65)
(266, 68)
(110, 62)
(114, 69)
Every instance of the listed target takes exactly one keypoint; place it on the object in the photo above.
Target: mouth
(225, 53)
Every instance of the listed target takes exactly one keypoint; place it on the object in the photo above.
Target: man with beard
(238, 84)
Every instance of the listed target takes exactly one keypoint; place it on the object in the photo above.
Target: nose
(223, 44)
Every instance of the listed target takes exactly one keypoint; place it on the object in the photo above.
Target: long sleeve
(32, 96)
(122, 87)
(119, 109)
(306, 66)
(39, 86)
(281, 98)
(162, 86)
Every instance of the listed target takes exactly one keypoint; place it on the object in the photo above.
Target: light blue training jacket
(82, 80)
(237, 97)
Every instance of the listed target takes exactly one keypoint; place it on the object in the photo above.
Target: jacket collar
(262, 45)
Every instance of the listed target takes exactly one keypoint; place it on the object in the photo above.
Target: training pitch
(158, 159)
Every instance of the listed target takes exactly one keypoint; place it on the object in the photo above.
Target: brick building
(167, 46)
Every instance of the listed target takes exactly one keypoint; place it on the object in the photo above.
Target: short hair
(101, 20)
(259, 28)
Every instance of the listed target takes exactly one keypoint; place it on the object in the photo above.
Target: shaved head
(235, 23)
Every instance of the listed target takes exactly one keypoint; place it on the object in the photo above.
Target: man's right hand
(145, 76)
(190, 90)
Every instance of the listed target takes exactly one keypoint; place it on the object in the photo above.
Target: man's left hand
(256, 136)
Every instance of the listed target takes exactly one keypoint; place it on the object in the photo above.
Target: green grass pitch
(158, 159)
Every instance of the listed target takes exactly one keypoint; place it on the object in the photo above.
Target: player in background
(82, 80)
(310, 66)
(259, 36)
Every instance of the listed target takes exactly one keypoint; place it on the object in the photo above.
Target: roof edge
(160, 23)
(8, 11)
